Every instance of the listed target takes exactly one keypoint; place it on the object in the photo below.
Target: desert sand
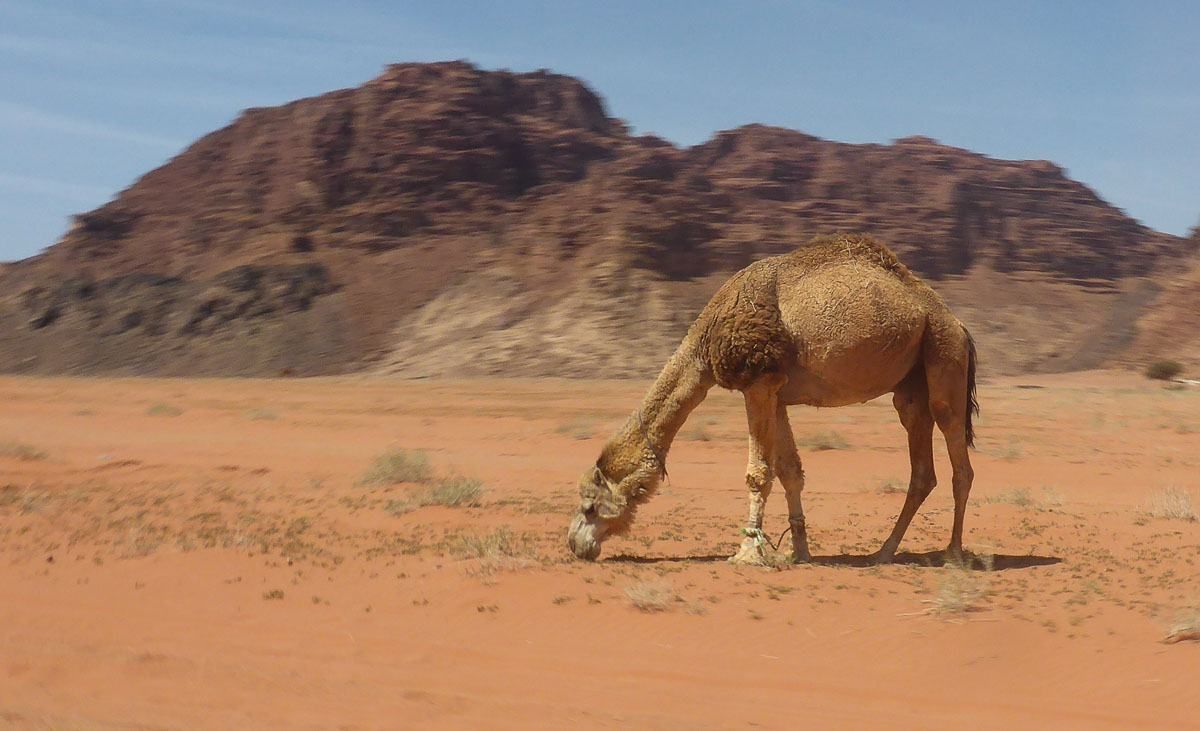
(203, 554)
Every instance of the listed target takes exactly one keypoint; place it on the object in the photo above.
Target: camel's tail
(972, 400)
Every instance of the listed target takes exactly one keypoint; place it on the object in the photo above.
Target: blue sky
(93, 93)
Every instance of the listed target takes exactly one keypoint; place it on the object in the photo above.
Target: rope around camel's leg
(754, 547)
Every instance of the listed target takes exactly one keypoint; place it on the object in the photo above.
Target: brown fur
(741, 332)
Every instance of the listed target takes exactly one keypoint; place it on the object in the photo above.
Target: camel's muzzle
(583, 538)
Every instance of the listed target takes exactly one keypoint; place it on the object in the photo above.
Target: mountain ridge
(371, 229)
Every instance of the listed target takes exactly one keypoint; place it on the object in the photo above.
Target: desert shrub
(1010, 453)
(452, 492)
(1023, 497)
(1164, 370)
(1171, 503)
(825, 440)
(1019, 496)
(23, 452)
(396, 466)
(501, 542)
(650, 596)
(1051, 498)
(959, 591)
(500, 550)
(581, 427)
(698, 431)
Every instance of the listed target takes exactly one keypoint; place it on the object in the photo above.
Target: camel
(839, 321)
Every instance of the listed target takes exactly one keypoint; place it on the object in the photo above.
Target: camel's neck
(641, 445)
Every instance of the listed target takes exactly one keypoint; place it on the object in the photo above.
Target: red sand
(220, 567)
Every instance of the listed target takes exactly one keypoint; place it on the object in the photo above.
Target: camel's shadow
(929, 559)
(935, 559)
(627, 558)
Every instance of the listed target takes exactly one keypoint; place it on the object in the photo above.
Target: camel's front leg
(761, 401)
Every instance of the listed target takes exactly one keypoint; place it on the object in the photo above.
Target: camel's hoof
(750, 553)
(883, 559)
(801, 556)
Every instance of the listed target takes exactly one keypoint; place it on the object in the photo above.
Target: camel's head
(601, 513)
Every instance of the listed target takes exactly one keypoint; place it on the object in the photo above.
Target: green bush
(1164, 370)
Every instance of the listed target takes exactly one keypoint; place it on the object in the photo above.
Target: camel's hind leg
(791, 475)
(950, 368)
(762, 399)
(911, 400)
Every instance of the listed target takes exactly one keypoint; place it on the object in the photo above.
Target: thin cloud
(20, 115)
(61, 189)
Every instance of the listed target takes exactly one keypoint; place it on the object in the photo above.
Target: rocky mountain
(446, 220)
(1171, 329)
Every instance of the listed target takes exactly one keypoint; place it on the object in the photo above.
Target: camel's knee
(943, 413)
(922, 488)
(759, 477)
(963, 477)
(924, 476)
(791, 472)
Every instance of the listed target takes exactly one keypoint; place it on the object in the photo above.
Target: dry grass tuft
(1051, 498)
(1019, 496)
(499, 550)
(960, 591)
(581, 427)
(1171, 503)
(397, 466)
(161, 409)
(892, 487)
(825, 440)
(1011, 452)
(23, 452)
(1022, 497)
(451, 492)
(651, 596)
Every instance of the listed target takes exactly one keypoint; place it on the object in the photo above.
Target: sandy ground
(202, 554)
